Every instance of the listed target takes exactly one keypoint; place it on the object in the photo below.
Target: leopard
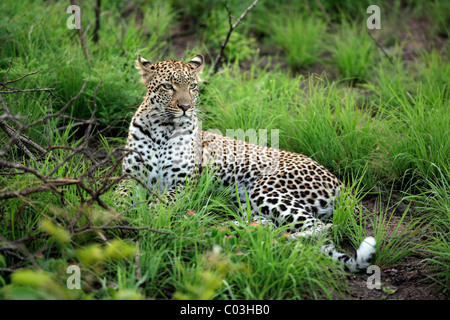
(166, 146)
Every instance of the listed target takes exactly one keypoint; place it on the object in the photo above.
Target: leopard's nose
(184, 107)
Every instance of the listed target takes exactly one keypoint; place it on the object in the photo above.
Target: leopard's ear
(146, 68)
(197, 63)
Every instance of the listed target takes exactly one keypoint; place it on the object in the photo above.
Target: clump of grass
(331, 128)
(227, 102)
(424, 139)
(353, 52)
(299, 36)
(398, 236)
(44, 41)
(433, 205)
(389, 78)
(439, 14)
(280, 268)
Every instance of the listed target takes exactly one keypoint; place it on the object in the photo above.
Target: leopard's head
(172, 85)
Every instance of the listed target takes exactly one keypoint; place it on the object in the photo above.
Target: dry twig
(219, 57)
(381, 48)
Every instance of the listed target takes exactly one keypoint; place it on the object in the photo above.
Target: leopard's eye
(192, 86)
(168, 86)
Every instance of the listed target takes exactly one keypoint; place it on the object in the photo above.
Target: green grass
(354, 52)
(377, 126)
(44, 41)
(433, 203)
(299, 36)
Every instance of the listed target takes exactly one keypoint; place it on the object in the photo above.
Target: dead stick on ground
(217, 61)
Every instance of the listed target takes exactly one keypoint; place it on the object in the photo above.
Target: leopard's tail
(363, 258)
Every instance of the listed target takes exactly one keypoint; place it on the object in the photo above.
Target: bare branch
(18, 79)
(62, 110)
(219, 57)
(381, 48)
(14, 165)
(23, 249)
(7, 71)
(11, 133)
(25, 90)
(17, 136)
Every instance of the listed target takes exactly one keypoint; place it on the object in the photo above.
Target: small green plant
(424, 138)
(397, 237)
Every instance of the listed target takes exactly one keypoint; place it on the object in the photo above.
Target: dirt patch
(410, 278)
(406, 281)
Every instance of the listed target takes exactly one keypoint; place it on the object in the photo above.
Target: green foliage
(299, 36)
(206, 282)
(27, 284)
(241, 45)
(396, 239)
(279, 267)
(61, 235)
(440, 15)
(433, 204)
(353, 52)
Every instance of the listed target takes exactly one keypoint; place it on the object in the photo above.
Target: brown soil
(406, 281)
(409, 278)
